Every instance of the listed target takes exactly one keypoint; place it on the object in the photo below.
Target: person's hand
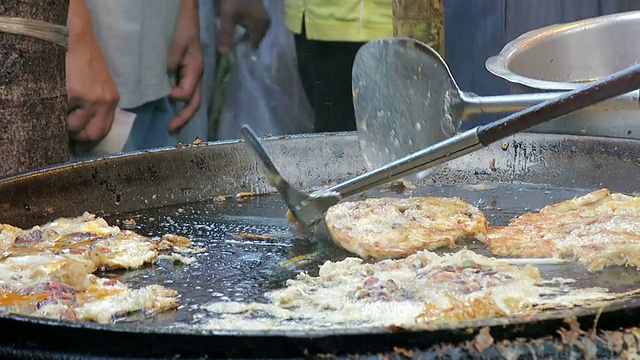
(251, 14)
(185, 60)
(92, 94)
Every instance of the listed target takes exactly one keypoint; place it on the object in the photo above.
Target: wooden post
(33, 95)
(422, 20)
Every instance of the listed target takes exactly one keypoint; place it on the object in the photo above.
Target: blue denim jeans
(151, 127)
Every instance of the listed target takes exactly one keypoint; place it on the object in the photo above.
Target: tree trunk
(422, 20)
(33, 95)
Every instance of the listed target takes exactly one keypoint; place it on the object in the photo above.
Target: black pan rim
(621, 310)
(95, 341)
(604, 310)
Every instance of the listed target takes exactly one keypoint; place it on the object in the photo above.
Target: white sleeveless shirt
(135, 37)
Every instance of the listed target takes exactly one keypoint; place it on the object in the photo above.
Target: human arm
(185, 60)
(92, 94)
(250, 14)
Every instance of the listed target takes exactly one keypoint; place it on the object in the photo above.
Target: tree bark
(33, 96)
(422, 20)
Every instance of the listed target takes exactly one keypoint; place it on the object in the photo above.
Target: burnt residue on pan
(573, 343)
(239, 267)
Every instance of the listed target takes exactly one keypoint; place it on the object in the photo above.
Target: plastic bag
(264, 89)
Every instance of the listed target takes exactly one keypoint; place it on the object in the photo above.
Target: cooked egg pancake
(46, 271)
(398, 227)
(422, 289)
(599, 229)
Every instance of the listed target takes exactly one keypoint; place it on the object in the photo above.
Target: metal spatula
(310, 208)
(406, 99)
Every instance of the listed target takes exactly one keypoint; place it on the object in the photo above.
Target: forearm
(89, 84)
(189, 12)
(79, 21)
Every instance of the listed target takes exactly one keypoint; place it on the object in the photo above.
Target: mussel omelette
(48, 271)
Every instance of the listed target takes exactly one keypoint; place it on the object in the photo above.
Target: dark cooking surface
(232, 269)
(162, 178)
(242, 270)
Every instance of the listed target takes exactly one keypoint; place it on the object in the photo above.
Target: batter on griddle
(598, 229)
(421, 289)
(398, 227)
(48, 271)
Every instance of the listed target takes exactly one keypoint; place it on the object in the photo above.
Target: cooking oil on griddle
(234, 267)
(247, 240)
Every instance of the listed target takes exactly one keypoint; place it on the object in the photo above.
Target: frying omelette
(398, 227)
(47, 271)
(598, 229)
(420, 290)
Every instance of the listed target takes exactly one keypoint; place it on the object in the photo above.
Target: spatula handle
(478, 137)
(495, 104)
(251, 137)
(611, 86)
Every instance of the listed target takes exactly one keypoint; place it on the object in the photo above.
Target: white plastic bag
(264, 89)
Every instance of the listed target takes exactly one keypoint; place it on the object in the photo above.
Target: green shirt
(340, 20)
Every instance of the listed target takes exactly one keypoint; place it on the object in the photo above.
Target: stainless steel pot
(561, 57)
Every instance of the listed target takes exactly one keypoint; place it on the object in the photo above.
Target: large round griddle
(172, 190)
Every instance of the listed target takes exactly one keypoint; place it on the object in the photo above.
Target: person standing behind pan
(328, 34)
(140, 42)
(124, 54)
(219, 37)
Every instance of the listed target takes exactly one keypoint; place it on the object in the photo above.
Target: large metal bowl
(561, 57)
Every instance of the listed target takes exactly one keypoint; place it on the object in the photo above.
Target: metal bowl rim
(498, 64)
